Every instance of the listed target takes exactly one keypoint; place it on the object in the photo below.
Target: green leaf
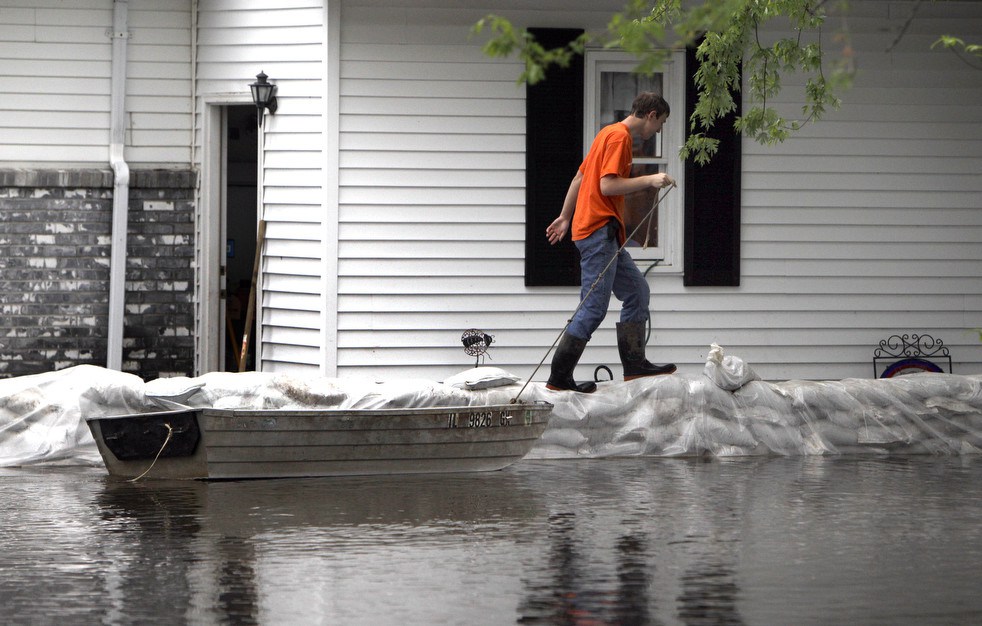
(729, 36)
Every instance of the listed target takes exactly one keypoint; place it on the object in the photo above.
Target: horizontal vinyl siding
(285, 39)
(864, 225)
(872, 216)
(57, 60)
(432, 192)
(158, 91)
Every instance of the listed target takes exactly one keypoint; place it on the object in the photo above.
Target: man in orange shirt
(594, 205)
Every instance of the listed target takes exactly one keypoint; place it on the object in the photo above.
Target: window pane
(611, 87)
(617, 93)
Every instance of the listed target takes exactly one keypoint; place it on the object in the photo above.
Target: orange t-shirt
(610, 154)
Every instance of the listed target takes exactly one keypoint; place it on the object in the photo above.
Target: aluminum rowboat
(207, 443)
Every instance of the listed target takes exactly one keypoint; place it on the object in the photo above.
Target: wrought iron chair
(909, 354)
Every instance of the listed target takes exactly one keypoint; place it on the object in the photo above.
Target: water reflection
(630, 541)
(572, 592)
(637, 534)
(222, 543)
(238, 595)
(633, 563)
(709, 595)
(151, 532)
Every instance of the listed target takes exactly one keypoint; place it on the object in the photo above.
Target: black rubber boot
(564, 361)
(630, 345)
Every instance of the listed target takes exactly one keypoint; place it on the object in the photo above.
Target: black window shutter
(712, 202)
(553, 151)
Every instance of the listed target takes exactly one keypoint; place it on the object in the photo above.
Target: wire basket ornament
(476, 344)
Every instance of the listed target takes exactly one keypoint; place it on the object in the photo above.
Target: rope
(170, 433)
(654, 207)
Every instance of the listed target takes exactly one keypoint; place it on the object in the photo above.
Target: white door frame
(210, 327)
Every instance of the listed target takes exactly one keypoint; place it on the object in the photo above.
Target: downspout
(194, 92)
(121, 186)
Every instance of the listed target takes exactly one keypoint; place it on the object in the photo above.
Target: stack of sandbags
(729, 411)
(41, 415)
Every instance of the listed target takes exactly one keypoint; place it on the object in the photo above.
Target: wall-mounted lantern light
(264, 95)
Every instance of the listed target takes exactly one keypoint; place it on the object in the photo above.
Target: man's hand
(659, 181)
(557, 230)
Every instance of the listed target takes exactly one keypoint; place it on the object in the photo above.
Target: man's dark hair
(648, 101)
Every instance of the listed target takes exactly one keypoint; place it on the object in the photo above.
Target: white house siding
(870, 222)
(286, 39)
(56, 58)
(432, 191)
(865, 225)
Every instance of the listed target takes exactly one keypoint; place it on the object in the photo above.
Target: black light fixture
(264, 95)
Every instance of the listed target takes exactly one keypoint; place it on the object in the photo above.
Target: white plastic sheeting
(40, 415)
(727, 411)
(680, 416)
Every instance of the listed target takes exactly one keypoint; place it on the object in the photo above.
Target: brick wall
(55, 228)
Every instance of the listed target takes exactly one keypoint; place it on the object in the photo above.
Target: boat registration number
(479, 419)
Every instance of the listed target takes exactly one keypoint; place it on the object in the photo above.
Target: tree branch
(903, 30)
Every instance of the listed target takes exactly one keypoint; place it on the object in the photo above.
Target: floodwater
(615, 541)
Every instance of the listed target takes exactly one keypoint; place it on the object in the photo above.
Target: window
(611, 86)
(697, 232)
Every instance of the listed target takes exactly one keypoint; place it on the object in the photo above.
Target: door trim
(209, 325)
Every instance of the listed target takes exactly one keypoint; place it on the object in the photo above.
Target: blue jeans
(623, 279)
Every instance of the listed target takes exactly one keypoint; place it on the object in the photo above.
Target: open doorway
(238, 228)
